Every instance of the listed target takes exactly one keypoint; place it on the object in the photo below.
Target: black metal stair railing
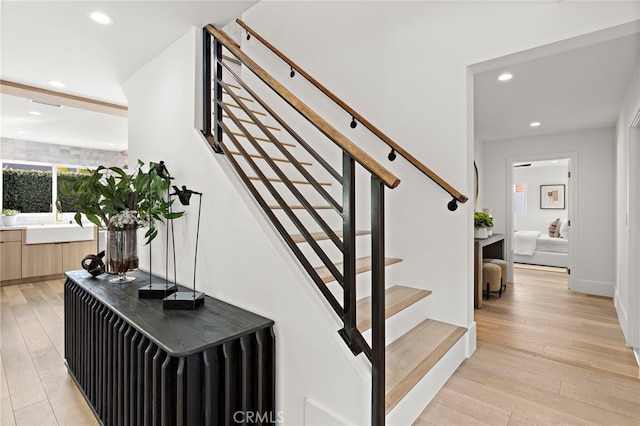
(218, 118)
(223, 140)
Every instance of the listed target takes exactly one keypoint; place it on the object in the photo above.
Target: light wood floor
(35, 388)
(546, 356)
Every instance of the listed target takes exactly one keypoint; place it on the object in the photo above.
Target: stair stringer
(355, 371)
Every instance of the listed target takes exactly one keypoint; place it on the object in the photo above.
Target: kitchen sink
(58, 233)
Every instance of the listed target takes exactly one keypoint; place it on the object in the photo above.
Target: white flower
(126, 218)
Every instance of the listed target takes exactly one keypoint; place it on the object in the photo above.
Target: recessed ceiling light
(101, 18)
(56, 83)
(505, 77)
(22, 132)
(554, 161)
(535, 124)
(35, 113)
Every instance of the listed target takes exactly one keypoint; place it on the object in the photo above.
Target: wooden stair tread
(258, 138)
(230, 59)
(411, 356)
(244, 120)
(244, 98)
(233, 85)
(278, 207)
(239, 107)
(320, 236)
(301, 182)
(396, 299)
(258, 156)
(363, 264)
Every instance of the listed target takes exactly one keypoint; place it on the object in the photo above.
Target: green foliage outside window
(28, 191)
(67, 178)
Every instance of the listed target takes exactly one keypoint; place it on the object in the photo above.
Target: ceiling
(579, 88)
(56, 40)
(52, 40)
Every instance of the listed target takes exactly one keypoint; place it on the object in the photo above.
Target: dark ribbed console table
(138, 364)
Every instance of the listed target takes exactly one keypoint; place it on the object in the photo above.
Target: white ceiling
(580, 88)
(55, 40)
(40, 41)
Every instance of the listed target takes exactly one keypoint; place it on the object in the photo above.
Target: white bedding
(525, 242)
(536, 248)
(551, 244)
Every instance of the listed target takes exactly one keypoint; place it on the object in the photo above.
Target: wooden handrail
(410, 158)
(339, 139)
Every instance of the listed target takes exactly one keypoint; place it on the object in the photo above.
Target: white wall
(404, 66)
(537, 219)
(627, 292)
(595, 227)
(240, 259)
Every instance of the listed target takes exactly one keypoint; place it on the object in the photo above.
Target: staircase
(303, 175)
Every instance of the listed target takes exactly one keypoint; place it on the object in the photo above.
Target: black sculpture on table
(158, 290)
(187, 300)
(93, 264)
(184, 194)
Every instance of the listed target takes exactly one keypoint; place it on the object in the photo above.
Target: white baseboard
(597, 288)
(317, 415)
(472, 339)
(623, 319)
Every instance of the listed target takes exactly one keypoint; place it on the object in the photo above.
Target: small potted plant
(9, 217)
(481, 223)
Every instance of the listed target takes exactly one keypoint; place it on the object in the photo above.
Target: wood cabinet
(10, 255)
(41, 259)
(21, 261)
(74, 252)
(138, 364)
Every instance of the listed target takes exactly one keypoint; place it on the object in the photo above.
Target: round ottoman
(505, 271)
(492, 278)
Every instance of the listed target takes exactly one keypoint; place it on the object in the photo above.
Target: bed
(537, 248)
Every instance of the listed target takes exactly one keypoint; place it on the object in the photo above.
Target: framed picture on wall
(552, 197)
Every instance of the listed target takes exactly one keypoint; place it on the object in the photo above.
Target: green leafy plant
(111, 198)
(10, 212)
(67, 178)
(26, 190)
(482, 220)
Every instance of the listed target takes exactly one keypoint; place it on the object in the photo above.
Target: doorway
(542, 222)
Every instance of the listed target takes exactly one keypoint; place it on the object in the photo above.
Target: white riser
(405, 320)
(363, 286)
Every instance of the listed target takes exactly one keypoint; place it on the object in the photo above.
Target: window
(520, 199)
(29, 187)
(67, 176)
